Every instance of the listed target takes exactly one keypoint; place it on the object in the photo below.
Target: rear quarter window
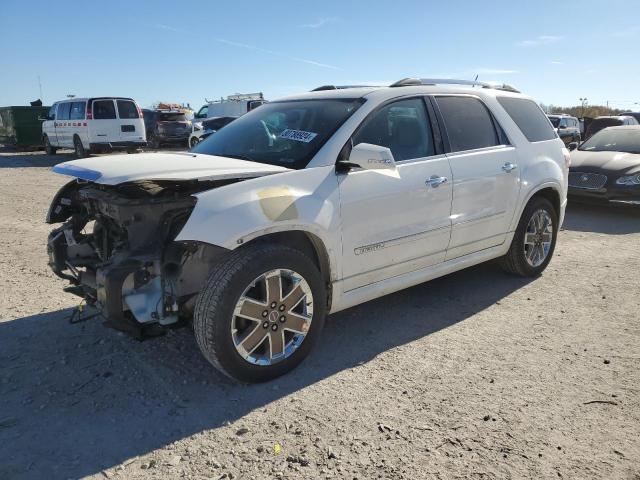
(529, 118)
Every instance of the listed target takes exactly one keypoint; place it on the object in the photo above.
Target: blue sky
(556, 51)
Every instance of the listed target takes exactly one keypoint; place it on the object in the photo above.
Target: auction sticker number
(298, 135)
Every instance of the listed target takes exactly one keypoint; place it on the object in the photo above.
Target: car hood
(116, 169)
(611, 162)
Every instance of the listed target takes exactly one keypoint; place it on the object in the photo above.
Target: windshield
(286, 134)
(555, 121)
(614, 140)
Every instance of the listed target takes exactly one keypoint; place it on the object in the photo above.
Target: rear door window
(104, 110)
(127, 109)
(77, 111)
(468, 122)
(529, 118)
(401, 126)
(63, 111)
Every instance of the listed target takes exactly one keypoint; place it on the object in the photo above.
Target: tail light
(89, 110)
(567, 157)
(139, 110)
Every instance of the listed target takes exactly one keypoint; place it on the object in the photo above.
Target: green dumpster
(20, 127)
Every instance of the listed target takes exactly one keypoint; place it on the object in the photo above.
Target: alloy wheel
(538, 238)
(272, 317)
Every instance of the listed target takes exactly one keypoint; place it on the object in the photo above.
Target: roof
(84, 99)
(382, 92)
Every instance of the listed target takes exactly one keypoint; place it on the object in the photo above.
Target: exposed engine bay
(116, 247)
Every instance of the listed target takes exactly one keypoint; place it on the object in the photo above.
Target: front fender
(305, 200)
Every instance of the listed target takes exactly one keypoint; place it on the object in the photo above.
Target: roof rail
(406, 82)
(337, 87)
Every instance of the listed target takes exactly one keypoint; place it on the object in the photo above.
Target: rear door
(486, 178)
(130, 121)
(105, 127)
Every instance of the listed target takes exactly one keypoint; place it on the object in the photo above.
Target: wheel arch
(549, 190)
(306, 242)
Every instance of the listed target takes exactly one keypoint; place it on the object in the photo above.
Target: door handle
(435, 181)
(509, 167)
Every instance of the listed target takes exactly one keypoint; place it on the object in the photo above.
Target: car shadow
(77, 399)
(12, 159)
(581, 217)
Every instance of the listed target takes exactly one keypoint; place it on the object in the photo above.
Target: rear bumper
(173, 138)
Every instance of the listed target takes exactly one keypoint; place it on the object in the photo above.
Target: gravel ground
(475, 375)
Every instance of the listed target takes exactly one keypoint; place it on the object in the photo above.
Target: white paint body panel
(115, 169)
(391, 226)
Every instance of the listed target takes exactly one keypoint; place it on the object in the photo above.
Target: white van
(90, 125)
(232, 106)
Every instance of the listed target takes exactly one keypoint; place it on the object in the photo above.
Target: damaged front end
(117, 248)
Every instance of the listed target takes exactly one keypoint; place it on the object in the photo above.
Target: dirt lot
(476, 375)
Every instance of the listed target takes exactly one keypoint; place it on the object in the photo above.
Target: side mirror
(43, 119)
(371, 157)
(572, 146)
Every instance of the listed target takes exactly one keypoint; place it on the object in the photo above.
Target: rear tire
(220, 328)
(152, 141)
(48, 148)
(79, 148)
(532, 247)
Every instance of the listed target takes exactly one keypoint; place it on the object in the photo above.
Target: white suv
(307, 206)
(90, 125)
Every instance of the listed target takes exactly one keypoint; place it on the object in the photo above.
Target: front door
(486, 178)
(393, 225)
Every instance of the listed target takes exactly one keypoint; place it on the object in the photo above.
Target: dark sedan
(606, 168)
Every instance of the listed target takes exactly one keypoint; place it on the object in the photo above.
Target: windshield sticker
(298, 135)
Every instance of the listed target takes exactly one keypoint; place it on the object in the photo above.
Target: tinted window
(127, 109)
(614, 140)
(555, 121)
(52, 112)
(173, 117)
(599, 123)
(401, 126)
(77, 111)
(468, 122)
(104, 109)
(63, 111)
(287, 134)
(529, 118)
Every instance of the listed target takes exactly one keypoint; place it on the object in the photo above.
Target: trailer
(21, 126)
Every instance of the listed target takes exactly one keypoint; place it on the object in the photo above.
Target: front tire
(48, 148)
(79, 148)
(260, 312)
(534, 241)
